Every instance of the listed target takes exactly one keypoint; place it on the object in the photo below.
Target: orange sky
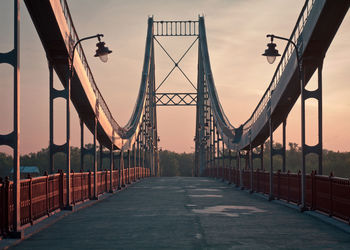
(236, 33)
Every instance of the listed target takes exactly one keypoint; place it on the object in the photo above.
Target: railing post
(241, 183)
(106, 180)
(2, 209)
(238, 169)
(251, 167)
(61, 188)
(101, 157)
(72, 189)
(288, 186)
(284, 124)
(129, 162)
(313, 189)
(47, 192)
(257, 180)
(82, 185)
(30, 192)
(111, 164)
(7, 204)
(262, 157)
(278, 184)
(121, 170)
(299, 187)
(331, 194)
(89, 184)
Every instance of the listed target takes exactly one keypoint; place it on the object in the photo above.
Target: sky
(236, 32)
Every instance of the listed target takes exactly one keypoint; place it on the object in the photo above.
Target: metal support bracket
(8, 140)
(59, 93)
(317, 149)
(9, 57)
(59, 148)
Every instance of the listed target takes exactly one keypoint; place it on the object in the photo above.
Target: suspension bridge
(198, 208)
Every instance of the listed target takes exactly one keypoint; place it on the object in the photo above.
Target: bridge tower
(195, 98)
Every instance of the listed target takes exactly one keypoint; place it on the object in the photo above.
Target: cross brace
(176, 99)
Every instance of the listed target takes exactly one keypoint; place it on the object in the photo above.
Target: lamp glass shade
(104, 58)
(271, 59)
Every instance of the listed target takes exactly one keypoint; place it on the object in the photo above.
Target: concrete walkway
(187, 213)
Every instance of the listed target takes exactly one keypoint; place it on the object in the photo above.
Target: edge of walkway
(55, 216)
(341, 225)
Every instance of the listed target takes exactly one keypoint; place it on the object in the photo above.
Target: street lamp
(271, 54)
(101, 52)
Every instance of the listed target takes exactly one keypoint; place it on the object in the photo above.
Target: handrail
(288, 51)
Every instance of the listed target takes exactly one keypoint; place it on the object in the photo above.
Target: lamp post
(101, 52)
(271, 53)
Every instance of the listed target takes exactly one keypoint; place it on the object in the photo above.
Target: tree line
(182, 164)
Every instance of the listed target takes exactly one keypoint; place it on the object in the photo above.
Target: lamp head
(271, 52)
(102, 51)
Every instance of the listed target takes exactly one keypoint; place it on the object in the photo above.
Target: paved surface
(187, 213)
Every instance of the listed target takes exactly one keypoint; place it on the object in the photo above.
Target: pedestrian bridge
(179, 212)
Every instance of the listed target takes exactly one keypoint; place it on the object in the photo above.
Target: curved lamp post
(101, 52)
(271, 53)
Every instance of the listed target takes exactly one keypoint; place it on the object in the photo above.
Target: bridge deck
(187, 213)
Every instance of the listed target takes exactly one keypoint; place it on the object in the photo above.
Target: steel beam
(81, 144)
(251, 167)
(68, 149)
(129, 163)
(95, 158)
(111, 167)
(303, 144)
(51, 115)
(320, 118)
(271, 197)
(101, 158)
(284, 145)
(120, 169)
(223, 160)
(262, 157)
(240, 170)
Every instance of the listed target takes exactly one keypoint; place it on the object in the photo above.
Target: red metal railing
(40, 196)
(328, 194)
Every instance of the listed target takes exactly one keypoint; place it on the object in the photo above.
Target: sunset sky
(236, 33)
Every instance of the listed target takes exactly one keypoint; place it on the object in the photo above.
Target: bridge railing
(327, 194)
(44, 195)
(286, 56)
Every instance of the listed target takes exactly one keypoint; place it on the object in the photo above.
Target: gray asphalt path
(187, 213)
